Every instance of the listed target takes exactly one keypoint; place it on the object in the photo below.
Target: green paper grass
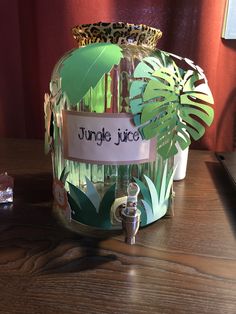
(87, 207)
(155, 196)
(64, 176)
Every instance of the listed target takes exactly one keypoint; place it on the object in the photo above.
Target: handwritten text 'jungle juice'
(123, 136)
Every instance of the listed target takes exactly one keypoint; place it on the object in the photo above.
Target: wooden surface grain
(184, 264)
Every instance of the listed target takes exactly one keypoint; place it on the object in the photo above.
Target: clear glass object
(110, 96)
(6, 188)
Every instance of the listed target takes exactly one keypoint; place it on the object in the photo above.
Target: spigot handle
(131, 215)
(132, 198)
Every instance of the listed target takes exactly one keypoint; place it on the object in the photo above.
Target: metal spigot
(130, 214)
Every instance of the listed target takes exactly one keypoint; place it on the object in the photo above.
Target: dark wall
(35, 33)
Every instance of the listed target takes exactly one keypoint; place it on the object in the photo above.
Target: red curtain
(35, 33)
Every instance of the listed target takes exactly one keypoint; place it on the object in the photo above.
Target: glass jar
(96, 148)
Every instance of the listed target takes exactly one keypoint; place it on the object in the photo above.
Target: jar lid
(116, 33)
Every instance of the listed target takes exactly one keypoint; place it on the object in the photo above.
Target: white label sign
(104, 139)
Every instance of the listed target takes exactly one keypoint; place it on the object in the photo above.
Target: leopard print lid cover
(117, 33)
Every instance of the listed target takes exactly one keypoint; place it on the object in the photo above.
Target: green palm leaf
(85, 67)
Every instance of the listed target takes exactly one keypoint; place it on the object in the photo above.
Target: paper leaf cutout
(92, 194)
(144, 191)
(158, 207)
(149, 212)
(143, 216)
(137, 88)
(169, 182)
(86, 66)
(170, 103)
(83, 203)
(145, 68)
(64, 176)
(153, 192)
(155, 196)
(75, 214)
(164, 185)
(106, 203)
(47, 121)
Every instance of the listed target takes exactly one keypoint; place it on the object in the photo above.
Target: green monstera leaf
(169, 103)
(85, 66)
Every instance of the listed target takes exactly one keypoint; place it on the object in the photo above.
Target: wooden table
(184, 264)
